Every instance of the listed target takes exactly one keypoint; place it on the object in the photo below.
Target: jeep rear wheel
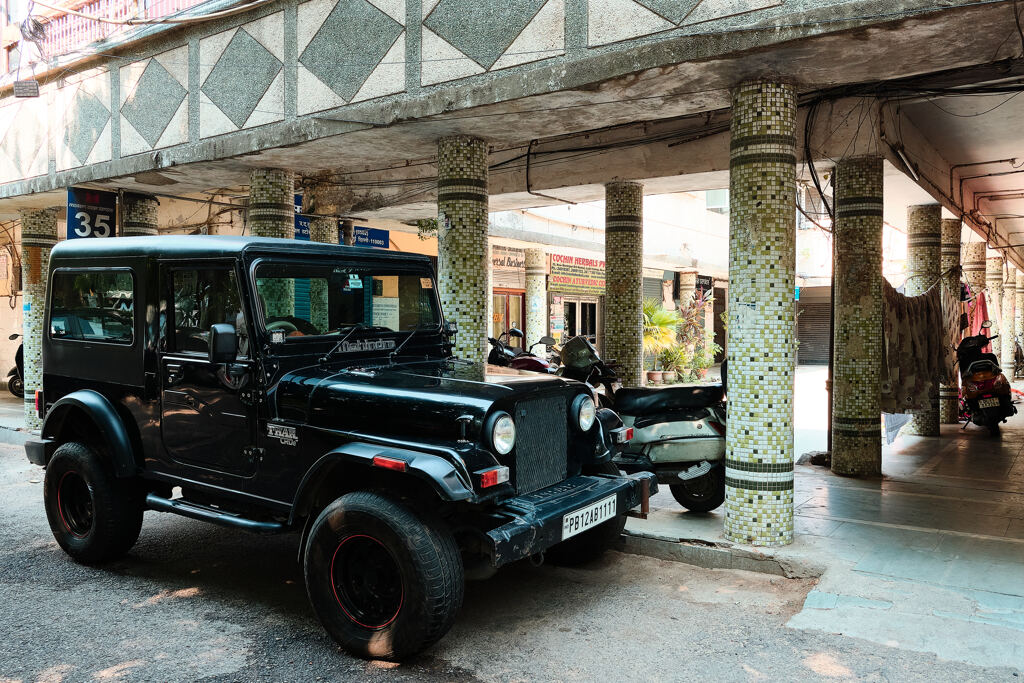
(385, 581)
(94, 516)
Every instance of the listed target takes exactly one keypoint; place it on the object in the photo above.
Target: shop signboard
(704, 283)
(301, 221)
(91, 213)
(576, 275)
(508, 266)
(372, 237)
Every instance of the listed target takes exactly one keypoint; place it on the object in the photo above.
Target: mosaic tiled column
(348, 232)
(272, 214)
(38, 235)
(463, 253)
(949, 408)
(624, 277)
(856, 384)
(973, 259)
(1018, 316)
(1008, 312)
(321, 229)
(139, 215)
(994, 297)
(924, 241)
(536, 295)
(762, 276)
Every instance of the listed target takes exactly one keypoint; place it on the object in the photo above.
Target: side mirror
(515, 332)
(548, 341)
(451, 328)
(987, 324)
(223, 343)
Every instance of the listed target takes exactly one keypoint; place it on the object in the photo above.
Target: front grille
(541, 443)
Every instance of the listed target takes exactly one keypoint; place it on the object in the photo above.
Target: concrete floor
(930, 557)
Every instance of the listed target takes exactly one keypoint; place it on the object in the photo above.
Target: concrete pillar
(924, 240)
(994, 298)
(856, 385)
(536, 296)
(463, 253)
(272, 214)
(973, 259)
(949, 259)
(138, 215)
(762, 277)
(321, 229)
(1018, 317)
(1007, 323)
(687, 291)
(348, 232)
(624, 277)
(38, 235)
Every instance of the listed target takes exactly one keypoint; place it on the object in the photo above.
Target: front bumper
(535, 519)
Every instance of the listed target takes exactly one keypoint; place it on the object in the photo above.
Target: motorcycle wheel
(993, 428)
(16, 386)
(702, 494)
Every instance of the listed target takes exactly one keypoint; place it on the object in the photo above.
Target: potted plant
(705, 358)
(659, 333)
(673, 360)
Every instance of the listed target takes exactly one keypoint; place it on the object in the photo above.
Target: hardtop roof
(207, 246)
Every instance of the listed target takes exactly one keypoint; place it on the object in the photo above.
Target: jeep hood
(411, 401)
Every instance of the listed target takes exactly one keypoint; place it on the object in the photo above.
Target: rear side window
(93, 305)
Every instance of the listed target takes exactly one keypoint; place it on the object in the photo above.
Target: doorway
(509, 311)
(582, 317)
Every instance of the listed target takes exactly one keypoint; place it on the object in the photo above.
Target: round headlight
(503, 434)
(586, 412)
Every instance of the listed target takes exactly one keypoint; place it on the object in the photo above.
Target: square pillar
(762, 277)
(624, 278)
(38, 236)
(463, 253)
(856, 385)
(949, 394)
(924, 240)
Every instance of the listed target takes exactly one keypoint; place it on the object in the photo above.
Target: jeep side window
(93, 305)
(202, 298)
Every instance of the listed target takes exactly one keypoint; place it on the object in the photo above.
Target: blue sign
(91, 213)
(301, 221)
(797, 294)
(372, 237)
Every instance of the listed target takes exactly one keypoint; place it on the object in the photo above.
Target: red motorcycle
(985, 397)
(504, 355)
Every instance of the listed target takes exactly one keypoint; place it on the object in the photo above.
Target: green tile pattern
(38, 235)
(973, 259)
(321, 229)
(856, 395)
(624, 275)
(994, 298)
(949, 409)
(272, 214)
(463, 253)
(924, 253)
(139, 214)
(762, 267)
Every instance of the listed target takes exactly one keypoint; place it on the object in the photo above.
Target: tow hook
(645, 500)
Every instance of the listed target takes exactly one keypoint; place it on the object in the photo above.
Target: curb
(710, 555)
(13, 436)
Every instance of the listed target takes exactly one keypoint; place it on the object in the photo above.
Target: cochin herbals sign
(576, 275)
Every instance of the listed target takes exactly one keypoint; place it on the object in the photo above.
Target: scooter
(985, 393)
(678, 431)
(16, 377)
(504, 355)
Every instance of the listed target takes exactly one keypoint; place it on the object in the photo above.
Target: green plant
(705, 356)
(660, 327)
(674, 359)
(691, 319)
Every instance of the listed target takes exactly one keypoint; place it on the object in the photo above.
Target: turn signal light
(39, 402)
(493, 477)
(390, 463)
(622, 434)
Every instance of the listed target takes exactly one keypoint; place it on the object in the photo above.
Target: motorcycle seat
(639, 401)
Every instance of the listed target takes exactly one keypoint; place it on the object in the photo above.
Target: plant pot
(669, 376)
(702, 373)
(654, 376)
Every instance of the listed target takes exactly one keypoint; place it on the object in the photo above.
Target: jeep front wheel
(94, 516)
(385, 581)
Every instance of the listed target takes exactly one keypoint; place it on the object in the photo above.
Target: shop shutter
(652, 289)
(812, 331)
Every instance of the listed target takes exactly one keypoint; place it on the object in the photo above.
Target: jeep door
(206, 418)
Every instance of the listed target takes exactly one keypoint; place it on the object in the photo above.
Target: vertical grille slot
(541, 443)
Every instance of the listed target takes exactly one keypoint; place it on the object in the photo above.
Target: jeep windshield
(303, 299)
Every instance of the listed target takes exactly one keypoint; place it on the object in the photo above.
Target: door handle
(174, 373)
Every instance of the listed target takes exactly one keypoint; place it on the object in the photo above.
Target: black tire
(993, 428)
(94, 516)
(16, 386)
(396, 586)
(592, 543)
(702, 494)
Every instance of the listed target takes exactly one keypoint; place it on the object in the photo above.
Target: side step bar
(184, 508)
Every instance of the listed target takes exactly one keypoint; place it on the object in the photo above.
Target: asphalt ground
(197, 602)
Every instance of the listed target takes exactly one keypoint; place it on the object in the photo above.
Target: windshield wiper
(418, 328)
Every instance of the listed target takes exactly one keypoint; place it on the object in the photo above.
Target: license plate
(578, 521)
(988, 403)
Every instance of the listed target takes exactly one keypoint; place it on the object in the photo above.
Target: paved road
(193, 601)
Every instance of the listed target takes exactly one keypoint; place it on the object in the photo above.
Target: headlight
(503, 433)
(585, 411)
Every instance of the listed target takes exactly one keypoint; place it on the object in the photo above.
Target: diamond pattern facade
(88, 117)
(482, 30)
(244, 61)
(154, 102)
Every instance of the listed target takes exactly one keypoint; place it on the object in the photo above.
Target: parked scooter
(16, 377)
(678, 430)
(504, 355)
(985, 394)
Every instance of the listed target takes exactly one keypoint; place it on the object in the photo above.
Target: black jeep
(274, 385)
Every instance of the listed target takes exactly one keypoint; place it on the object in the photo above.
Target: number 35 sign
(91, 213)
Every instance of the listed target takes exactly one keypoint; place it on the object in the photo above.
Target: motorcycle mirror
(515, 332)
(987, 324)
(14, 336)
(547, 341)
